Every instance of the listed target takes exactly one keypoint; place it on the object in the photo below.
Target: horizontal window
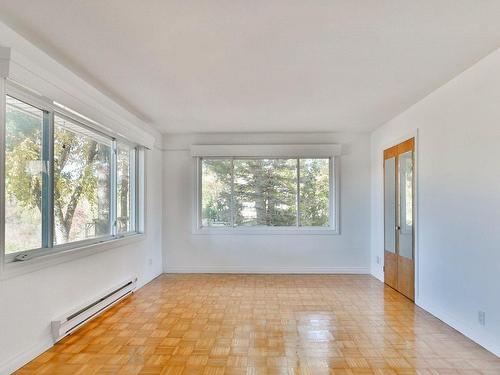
(260, 192)
(65, 183)
(82, 183)
(23, 176)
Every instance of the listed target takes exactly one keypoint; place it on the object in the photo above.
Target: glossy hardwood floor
(264, 324)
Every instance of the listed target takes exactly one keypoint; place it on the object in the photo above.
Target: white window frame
(334, 200)
(135, 176)
(45, 255)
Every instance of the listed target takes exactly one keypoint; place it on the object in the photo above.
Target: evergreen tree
(263, 192)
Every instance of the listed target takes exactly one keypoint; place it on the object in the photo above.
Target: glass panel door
(406, 204)
(390, 205)
(399, 267)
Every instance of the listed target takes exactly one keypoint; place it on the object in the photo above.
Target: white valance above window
(55, 83)
(277, 150)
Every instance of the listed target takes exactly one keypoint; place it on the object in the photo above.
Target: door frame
(416, 253)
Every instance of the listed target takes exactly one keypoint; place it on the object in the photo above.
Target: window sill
(274, 231)
(13, 269)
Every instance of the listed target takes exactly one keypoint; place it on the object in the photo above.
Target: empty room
(280, 187)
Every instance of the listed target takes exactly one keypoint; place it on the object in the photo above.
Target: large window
(82, 183)
(65, 183)
(23, 176)
(262, 192)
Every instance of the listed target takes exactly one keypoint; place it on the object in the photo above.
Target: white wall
(29, 302)
(458, 165)
(188, 252)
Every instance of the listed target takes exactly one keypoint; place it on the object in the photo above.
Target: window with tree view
(23, 176)
(64, 181)
(82, 182)
(258, 192)
(126, 188)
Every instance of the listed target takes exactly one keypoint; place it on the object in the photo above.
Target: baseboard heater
(73, 320)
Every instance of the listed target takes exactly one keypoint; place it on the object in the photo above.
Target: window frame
(51, 233)
(334, 202)
(134, 188)
(53, 110)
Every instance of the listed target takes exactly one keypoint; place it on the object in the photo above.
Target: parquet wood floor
(265, 325)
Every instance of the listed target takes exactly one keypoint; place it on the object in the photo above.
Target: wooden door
(399, 238)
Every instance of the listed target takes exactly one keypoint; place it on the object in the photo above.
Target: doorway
(399, 212)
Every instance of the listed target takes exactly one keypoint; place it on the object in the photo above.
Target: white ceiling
(262, 65)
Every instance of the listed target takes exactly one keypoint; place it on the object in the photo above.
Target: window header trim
(267, 151)
(19, 92)
(29, 67)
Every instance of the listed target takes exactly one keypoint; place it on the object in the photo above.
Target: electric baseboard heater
(73, 320)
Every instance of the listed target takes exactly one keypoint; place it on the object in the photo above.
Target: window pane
(82, 183)
(265, 192)
(314, 192)
(405, 174)
(216, 192)
(390, 204)
(23, 176)
(125, 162)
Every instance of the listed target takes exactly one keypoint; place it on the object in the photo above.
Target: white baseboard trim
(479, 335)
(378, 275)
(13, 364)
(268, 270)
(23, 358)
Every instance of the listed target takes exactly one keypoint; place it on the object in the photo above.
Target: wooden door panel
(399, 266)
(391, 269)
(406, 277)
(391, 152)
(405, 237)
(390, 203)
(408, 145)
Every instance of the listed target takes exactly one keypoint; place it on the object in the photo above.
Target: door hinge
(383, 268)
